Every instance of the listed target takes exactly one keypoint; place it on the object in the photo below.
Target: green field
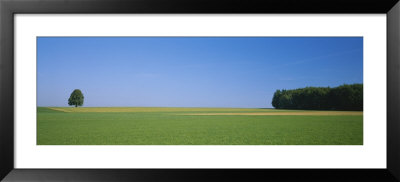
(196, 126)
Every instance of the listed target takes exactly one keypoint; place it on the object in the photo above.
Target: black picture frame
(8, 8)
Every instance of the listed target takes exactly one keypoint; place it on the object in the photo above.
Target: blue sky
(191, 71)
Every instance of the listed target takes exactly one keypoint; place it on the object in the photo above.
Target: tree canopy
(344, 97)
(76, 98)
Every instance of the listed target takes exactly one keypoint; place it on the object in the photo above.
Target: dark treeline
(344, 97)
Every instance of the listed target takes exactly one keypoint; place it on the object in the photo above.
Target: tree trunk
(76, 105)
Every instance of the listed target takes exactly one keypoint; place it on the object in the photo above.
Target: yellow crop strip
(59, 109)
(153, 109)
(205, 111)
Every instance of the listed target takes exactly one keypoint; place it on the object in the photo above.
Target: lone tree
(76, 98)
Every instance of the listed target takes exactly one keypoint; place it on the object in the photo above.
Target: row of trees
(344, 97)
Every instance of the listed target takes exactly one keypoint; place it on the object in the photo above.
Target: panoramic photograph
(199, 91)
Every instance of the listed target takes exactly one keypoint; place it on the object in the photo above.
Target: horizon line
(165, 107)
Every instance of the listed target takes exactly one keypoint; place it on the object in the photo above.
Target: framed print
(125, 91)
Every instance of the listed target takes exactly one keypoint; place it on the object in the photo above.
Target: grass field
(196, 126)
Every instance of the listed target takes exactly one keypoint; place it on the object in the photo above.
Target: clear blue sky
(191, 71)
